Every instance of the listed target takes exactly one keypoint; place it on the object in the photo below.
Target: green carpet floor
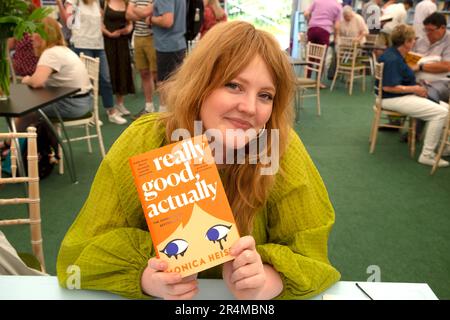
(391, 214)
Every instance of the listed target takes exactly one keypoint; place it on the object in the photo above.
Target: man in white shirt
(423, 10)
(436, 47)
(395, 13)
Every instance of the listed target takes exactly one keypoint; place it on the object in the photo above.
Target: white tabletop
(47, 288)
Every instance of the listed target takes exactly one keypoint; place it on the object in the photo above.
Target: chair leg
(86, 128)
(372, 128)
(100, 139)
(352, 75)
(372, 67)
(318, 100)
(412, 124)
(334, 80)
(364, 81)
(61, 154)
(444, 143)
(374, 132)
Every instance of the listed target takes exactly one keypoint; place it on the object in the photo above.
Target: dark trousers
(168, 62)
(319, 36)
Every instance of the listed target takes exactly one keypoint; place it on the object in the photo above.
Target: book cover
(412, 58)
(185, 205)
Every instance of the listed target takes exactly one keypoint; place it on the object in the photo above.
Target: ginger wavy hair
(217, 59)
(54, 35)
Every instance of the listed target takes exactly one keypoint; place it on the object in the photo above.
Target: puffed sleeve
(109, 243)
(299, 217)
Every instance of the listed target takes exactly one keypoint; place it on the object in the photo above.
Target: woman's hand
(420, 91)
(245, 276)
(26, 79)
(167, 285)
(114, 34)
(415, 67)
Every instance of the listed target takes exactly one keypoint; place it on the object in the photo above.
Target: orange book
(185, 205)
(411, 58)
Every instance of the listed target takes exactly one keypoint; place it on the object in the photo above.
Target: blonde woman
(58, 66)
(284, 217)
(212, 14)
(84, 18)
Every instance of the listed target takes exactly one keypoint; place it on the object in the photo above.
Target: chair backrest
(315, 56)
(93, 68)
(32, 181)
(347, 51)
(371, 39)
(378, 86)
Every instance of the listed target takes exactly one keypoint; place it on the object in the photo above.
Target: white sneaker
(429, 160)
(116, 118)
(162, 108)
(149, 107)
(122, 110)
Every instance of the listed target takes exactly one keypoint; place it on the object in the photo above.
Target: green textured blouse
(110, 244)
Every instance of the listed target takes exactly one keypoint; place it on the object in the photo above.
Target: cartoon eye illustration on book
(218, 233)
(175, 247)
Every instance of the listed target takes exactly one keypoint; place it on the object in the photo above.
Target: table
(24, 99)
(47, 287)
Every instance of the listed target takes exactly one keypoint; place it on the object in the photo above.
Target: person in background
(436, 45)
(58, 66)
(84, 18)
(408, 4)
(393, 14)
(168, 20)
(144, 53)
(62, 18)
(213, 14)
(323, 18)
(284, 217)
(402, 94)
(352, 25)
(423, 9)
(116, 35)
(371, 12)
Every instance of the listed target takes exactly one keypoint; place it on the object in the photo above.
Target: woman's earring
(261, 131)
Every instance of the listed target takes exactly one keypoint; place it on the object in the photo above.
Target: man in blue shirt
(402, 94)
(168, 20)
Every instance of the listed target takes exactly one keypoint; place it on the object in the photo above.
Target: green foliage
(15, 19)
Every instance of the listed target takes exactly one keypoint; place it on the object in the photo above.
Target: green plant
(15, 20)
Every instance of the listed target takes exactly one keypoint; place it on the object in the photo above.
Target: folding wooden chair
(32, 181)
(347, 65)
(315, 57)
(380, 113)
(92, 66)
